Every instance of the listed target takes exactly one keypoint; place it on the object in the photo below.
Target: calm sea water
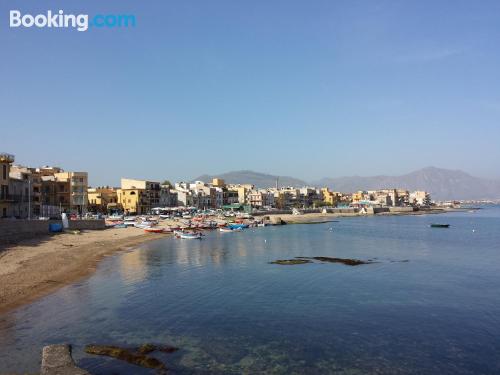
(229, 311)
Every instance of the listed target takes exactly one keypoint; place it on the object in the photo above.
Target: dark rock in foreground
(346, 261)
(304, 260)
(290, 262)
(127, 355)
(149, 348)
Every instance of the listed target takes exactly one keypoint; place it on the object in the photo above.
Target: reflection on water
(231, 312)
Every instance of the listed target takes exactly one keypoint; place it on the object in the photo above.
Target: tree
(167, 182)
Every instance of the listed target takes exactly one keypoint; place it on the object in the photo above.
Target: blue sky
(302, 88)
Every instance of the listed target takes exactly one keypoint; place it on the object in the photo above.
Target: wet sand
(33, 268)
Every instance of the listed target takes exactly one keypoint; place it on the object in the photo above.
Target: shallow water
(231, 312)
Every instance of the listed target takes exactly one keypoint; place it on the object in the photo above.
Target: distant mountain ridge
(442, 184)
(260, 180)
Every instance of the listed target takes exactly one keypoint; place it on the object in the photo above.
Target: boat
(226, 230)
(154, 230)
(144, 224)
(238, 226)
(262, 225)
(190, 236)
(440, 225)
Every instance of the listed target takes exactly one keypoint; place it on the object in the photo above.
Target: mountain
(442, 184)
(260, 180)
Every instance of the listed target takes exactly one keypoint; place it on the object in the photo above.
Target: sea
(427, 301)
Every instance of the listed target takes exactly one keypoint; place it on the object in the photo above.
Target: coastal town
(47, 192)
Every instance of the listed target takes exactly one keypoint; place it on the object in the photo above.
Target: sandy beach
(36, 267)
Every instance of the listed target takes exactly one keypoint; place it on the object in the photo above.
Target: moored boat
(440, 225)
(190, 236)
(154, 230)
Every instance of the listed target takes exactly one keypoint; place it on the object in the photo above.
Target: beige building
(5, 198)
(77, 185)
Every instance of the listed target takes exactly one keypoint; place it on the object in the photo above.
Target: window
(4, 173)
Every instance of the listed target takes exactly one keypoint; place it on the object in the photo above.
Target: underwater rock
(346, 261)
(290, 262)
(125, 355)
(146, 349)
(167, 349)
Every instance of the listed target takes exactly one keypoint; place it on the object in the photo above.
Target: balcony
(5, 157)
(13, 198)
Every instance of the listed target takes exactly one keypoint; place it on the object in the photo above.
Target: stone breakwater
(57, 360)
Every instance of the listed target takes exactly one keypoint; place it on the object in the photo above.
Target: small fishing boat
(262, 225)
(190, 236)
(154, 230)
(238, 226)
(226, 230)
(440, 225)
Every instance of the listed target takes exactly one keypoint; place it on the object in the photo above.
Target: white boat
(262, 225)
(144, 224)
(190, 236)
(225, 230)
(129, 223)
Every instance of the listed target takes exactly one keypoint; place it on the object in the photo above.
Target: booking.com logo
(80, 22)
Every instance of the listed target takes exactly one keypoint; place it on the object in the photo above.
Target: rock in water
(290, 262)
(347, 262)
(126, 355)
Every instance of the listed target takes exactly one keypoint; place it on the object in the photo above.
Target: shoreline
(34, 268)
(309, 218)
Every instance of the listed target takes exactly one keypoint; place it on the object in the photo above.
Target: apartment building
(139, 196)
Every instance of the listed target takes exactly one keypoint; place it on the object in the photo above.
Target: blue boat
(238, 226)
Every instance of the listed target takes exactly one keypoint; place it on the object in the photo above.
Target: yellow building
(102, 199)
(138, 196)
(218, 182)
(358, 196)
(329, 197)
(5, 200)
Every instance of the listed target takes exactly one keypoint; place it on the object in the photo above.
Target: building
(5, 198)
(420, 198)
(73, 193)
(261, 198)
(20, 189)
(138, 196)
(218, 182)
(168, 196)
(330, 198)
(243, 191)
(103, 200)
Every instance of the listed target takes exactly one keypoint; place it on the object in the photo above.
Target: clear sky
(302, 88)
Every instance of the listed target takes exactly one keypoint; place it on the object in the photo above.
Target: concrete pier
(57, 360)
